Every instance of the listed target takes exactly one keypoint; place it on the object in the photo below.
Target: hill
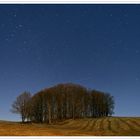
(107, 126)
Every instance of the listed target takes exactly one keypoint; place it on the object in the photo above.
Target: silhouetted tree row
(61, 102)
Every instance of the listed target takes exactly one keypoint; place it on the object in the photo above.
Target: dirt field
(110, 126)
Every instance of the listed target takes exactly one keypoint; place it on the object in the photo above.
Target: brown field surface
(108, 126)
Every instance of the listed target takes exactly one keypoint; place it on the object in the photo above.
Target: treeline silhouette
(61, 102)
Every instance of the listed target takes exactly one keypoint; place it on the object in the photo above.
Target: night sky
(97, 46)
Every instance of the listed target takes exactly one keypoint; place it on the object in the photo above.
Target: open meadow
(107, 126)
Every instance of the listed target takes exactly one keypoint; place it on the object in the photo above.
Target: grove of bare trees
(61, 102)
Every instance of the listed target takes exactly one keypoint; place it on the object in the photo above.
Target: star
(113, 47)
(137, 79)
(111, 15)
(19, 26)
(126, 48)
(68, 21)
(15, 15)
(57, 15)
(24, 42)
(2, 25)
(137, 51)
(125, 15)
(12, 35)
(6, 39)
(126, 23)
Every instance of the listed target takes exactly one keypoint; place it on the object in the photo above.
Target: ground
(108, 126)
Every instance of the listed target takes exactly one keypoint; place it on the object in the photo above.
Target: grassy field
(109, 126)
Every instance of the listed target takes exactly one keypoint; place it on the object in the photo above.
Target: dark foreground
(109, 126)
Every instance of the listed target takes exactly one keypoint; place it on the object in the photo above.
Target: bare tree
(21, 105)
(109, 104)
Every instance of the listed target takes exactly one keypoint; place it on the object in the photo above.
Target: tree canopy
(63, 101)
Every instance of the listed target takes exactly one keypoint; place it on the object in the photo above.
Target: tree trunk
(49, 113)
(23, 119)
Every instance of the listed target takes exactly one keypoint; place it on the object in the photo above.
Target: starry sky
(97, 46)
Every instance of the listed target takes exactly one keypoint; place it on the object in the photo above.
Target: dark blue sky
(97, 46)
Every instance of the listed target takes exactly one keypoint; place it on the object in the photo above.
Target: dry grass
(109, 126)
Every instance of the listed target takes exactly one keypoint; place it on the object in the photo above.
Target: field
(109, 126)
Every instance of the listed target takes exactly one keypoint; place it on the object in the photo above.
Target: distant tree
(22, 105)
(37, 107)
(109, 104)
(102, 104)
(63, 101)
